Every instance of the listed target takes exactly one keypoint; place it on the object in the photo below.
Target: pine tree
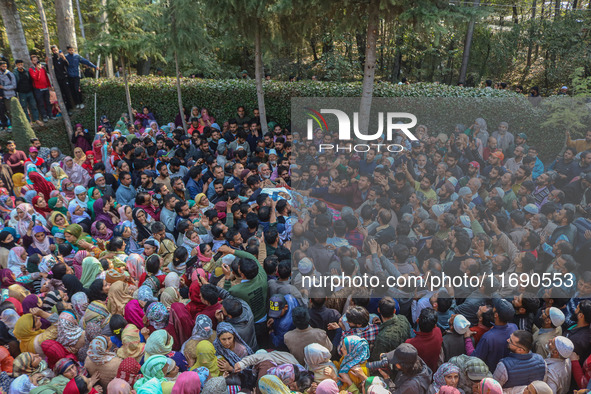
(22, 131)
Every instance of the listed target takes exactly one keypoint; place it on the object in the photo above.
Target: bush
(222, 97)
(21, 128)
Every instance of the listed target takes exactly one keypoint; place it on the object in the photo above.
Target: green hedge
(222, 97)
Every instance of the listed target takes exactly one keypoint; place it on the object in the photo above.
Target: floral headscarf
(444, 370)
(145, 294)
(490, 386)
(132, 347)
(129, 370)
(98, 351)
(270, 384)
(68, 329)
(202, 330)
(158, 315)
(23, 365)
(135, 265)
(228, 354)
(96, 313)
(79, 303)
(357, 352)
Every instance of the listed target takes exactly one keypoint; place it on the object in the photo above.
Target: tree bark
(370, 65)
(127, 95)
(15, 32)
(530, 46)
(258, 71)
(66, 30)
(109, 72)
(50, 66)
(178, 91)
(467, 45)
(515, 15)
(360, 40)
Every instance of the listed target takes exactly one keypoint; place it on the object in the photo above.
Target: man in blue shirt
(74, 61)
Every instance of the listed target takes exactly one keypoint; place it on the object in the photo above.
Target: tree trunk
(557, 9)
(370, 65)
(14, 31)
(178, 91)
(515, 15)
(360, 39)
(66, 30)
(530, 46)
(312, 43)
(109, 72)
(143, 66)
(397, 55)
(258, 71)
(50, 66)
(127, 95)
(467, 45)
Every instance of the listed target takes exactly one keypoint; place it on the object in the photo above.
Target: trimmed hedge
(222, 97)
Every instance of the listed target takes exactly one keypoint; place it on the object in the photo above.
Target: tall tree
(104, 20)
(14, 31)
(53, 79)
(369, 66)
(66, 29)
(467, 46)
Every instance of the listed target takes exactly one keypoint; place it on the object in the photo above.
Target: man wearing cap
(280, 320)
(472, 371)
(454, 341)
(101, 184)
(551, 319)
(414, 375)
(35, 159)
(521, 140)
(521, 366)
(559, 364)
(580, 145)
(473, 172)
(492, 347)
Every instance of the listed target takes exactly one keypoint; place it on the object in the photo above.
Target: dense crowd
(163, 261)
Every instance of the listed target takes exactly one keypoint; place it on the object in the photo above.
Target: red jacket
(428, 346)
(40, 78)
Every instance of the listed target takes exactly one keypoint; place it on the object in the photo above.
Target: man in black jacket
(60, 64)
(24, 89)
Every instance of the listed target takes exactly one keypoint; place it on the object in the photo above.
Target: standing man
(7, 91)
(60, 65)
(74, 61)
(41, 87)
(15, 158)
(24, 88)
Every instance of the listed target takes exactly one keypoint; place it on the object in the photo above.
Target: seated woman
(78, 239)
(355, 352)
(160, 342)
(28, 331)
(100, 359)
(37, 242)
(230, 347)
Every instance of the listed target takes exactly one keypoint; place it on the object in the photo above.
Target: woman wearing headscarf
(37, 242)
(157, 316)
(489, 386)
(119, 296)
(79, 303)
(100, 359)
(229, 345)
(23, 218)
(270, 384)
(180, 325)
(355, 351)
(205, 357)
(161, 342)
(76, 237)
(91, 268)
(75, 172)
(129, 370)
(135, 266)
(134, 312)
(142, 222)
(171, 296)
(103, 214)
(118, 386)
(89, 163)
(6, 206)
(187, 383)
(131, 344)
(56, 176)
(446, 375)
(317, 359)
(100, 231)
(125, 231)
(69, 332)
(40, 206)
(73, 285)
(196, 305)
(55, 156)
(41, 185)
(153, 368)
(65, 370)
(96, 320)
(79, 156)
(6, 244)
(17, 260)
(28, 331)
(57, 222)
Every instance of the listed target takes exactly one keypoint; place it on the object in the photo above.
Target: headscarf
(96, 313)
(134, 313)
(30, 301)
(132, 347)
(64, 363)
(102, 216)
(196, 306)
(145, 294)
(51, 298)
(152, 368)
(76, 173)
(9, 317)
(228, 354)
(152, 386)
(285, 372)
(143, 231)
(6, 278)
(118, 386)
(317, 357)
(53, 216)
(15, 263)
(98, 235)
(187, 383)
(270, 384)
(181, 322)
(98, 351)
(443, 370)
(129, 370)
(54, 351)
(79, 303)
(327, 386)
(169, 296)
(25, 333)
(357, 353)
(135, 265)
(47, 263)
(158, 315)
(206, 357)
(41, 185)
(51, 160)
(450, 390)
(541, 387)
(202, 330)
(45, 211)
(118, 297)
(68, 329)
(159, 342)
(5, 209)
(76, 231)
(23, 224)
(490, 386)
(91, 268)
(42, 246)
(60, 175)
(172, 280)
(80, 160)
(72, 285)
(23, 365)
(18, 292)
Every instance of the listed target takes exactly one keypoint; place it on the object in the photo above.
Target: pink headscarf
(490, 386)
(118, 386)
(186, 383)
(134, 313)
(444, 390)
(327, 386)
(78, 257)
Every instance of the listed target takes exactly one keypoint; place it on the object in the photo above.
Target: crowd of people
(158, 260)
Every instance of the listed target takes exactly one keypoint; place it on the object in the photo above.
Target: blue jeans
(28, 99)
